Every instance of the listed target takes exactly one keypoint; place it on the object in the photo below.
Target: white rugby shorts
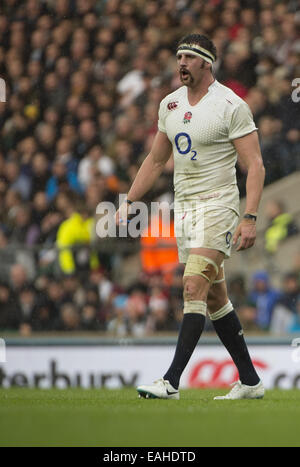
(207, 226)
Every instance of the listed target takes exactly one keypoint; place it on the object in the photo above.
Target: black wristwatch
(250, 216)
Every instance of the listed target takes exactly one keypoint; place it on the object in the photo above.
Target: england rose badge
(187, 117)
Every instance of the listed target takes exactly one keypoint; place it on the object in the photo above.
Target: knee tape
(218, 281)
(198, 265)
(195, 306)
(221, 312)
(222, 279)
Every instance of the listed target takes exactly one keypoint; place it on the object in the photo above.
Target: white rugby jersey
(201, 136)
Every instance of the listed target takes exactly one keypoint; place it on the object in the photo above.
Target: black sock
(190, 331)
(230, 332)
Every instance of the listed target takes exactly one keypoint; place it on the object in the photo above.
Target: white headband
(195, 49)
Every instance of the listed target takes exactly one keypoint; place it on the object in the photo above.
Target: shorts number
(189, 145)
(228, 239)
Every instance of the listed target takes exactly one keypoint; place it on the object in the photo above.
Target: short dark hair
(201, 40)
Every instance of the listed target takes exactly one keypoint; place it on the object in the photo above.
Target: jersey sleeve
(241, 123)
(162, 117)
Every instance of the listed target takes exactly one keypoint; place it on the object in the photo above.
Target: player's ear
(205, 65)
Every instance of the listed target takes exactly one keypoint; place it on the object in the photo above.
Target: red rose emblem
(187, 117)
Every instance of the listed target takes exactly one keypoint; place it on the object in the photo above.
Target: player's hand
(121, 216)
(246, 232)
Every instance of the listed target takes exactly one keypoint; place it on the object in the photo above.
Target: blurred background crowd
(84, 79)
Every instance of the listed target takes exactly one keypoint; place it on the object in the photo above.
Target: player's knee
(201, 266)
(194, 288)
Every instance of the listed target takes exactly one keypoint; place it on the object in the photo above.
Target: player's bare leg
(229, 330)
(201, 270)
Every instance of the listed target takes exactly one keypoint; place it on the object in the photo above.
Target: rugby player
(206, 126)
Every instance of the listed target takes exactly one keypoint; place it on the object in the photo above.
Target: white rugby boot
(242, 391)
(160, 389)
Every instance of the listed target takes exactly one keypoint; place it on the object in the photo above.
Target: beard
(186, 77)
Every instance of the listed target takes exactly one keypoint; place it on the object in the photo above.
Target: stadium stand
(84, 79)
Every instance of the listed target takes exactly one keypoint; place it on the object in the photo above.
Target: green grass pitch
(113, 418)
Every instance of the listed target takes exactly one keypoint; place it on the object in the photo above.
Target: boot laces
(236, 385)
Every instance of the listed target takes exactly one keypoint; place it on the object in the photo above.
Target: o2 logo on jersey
(188, 143)
(187, 117)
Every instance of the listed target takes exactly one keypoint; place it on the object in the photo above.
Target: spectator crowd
(84, 79)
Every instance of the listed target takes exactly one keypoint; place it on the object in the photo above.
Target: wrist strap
(128, 201)
(253, 217)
